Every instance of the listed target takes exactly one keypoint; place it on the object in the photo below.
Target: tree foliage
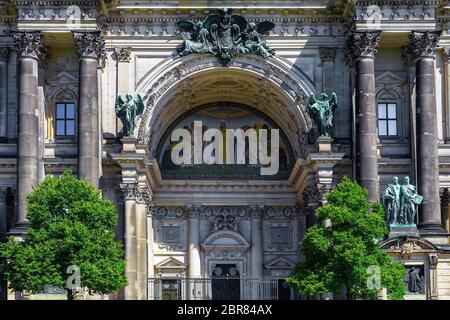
(70, 225)
(340, 256)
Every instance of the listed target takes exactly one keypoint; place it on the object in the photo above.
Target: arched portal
(272, 86)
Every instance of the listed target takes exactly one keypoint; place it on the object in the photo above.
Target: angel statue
(195, 38)
(225, 35)
(129, 112)
(322, 111)
(253, 41)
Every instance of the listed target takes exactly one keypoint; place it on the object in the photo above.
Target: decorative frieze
(226, 217)
(423, 44)
(29, 44)
(90, 45)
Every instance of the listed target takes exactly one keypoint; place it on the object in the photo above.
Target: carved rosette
(423, 44)
(129, 191)
(362, 44)
(90, 45)
(28, 44)
(327, 54)
(123, 54)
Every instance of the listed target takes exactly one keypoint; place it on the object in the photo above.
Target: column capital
(423, 44)
(193, 212)
(28, 44)
(256, 212)
(129, 191)
(447, 53)
(362, 44)
(143, 195)
(90, 45)
(123, 54)
(327, 54)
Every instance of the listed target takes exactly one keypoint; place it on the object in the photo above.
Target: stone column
(4, 55)
(3, 230)
(90, 48)
(129, 193)
(422, 47)
(362, 50)
(256, 253)
(327, 56)
(144, 197)
(150, 262)
(445, 200)
(194, 242)
(29, 46)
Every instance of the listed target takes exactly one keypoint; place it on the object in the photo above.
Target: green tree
(70, 225)
(341, 256)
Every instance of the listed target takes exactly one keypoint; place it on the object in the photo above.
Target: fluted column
(362, 45)
(422, 47)
(257, 242)
(194, 242)
(29, 46)
(91, 48)
(143, 199)
(129, 194)
(256, 253)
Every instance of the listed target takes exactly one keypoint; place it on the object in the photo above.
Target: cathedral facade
(71, 73)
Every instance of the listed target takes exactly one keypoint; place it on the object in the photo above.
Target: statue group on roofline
(400, 202)
(225, 35)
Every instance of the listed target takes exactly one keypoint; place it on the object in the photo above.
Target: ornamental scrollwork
(225, 35)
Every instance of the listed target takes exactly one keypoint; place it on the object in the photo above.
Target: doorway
(225, 282)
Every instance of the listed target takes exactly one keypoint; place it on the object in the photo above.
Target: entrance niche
(223, 116)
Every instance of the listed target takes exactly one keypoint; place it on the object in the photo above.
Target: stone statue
(322, 111)
(391, 202)
(408, 201)
(225, 35)
(414, 281)
(128, 112)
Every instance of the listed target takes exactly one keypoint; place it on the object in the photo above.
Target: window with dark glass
(65, 119)
(387, 119)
